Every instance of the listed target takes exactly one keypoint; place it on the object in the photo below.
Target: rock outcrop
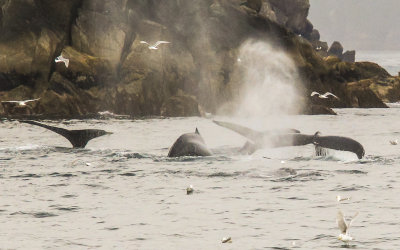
(110, 69)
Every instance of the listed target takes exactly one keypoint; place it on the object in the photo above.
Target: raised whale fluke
(78, 138)
(252, 134)
(292, 137)
(339, 143)
(190, 144)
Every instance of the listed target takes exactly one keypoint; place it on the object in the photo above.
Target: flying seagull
(60, 58)
(154, 46)
(344, 227)
(324, 96)
(20, 103)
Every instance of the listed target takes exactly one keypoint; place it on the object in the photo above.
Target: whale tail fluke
(252, 134)
(244, 131)
(340, 143)
(320, 151)
(78, 138)
(248, 148)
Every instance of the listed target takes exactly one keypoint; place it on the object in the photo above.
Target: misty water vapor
(270, 81)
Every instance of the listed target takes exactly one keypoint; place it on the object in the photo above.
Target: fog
(358, 24)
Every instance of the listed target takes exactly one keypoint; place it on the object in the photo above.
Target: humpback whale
(292, 137)
(78, 138)
(190, 144)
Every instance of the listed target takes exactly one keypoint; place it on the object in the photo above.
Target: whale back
(78, 138)
(190, 144)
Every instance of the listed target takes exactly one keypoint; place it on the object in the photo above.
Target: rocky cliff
(111, 69)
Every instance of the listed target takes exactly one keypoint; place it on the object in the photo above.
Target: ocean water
(388, 59)
(122, 192)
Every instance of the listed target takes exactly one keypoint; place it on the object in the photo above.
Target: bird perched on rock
(60, 58)
(324, 96)
(253, 4)
(344, 227)
(154, 46)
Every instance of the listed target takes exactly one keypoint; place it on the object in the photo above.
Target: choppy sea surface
(388, 59)
(122, 192)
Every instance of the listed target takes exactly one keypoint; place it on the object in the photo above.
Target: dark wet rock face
(180, 105)
(110, 69)
(349, 56)
(336, 49)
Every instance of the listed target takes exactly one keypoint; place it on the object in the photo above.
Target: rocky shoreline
(109, 69)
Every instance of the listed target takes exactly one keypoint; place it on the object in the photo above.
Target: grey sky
(358, 24)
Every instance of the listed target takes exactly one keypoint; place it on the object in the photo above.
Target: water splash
(270, 81)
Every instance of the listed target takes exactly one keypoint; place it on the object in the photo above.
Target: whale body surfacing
(292, 137)
(78, 138)
(190, 144)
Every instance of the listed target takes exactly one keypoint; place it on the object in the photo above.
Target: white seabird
(21, 103)
(344, 227)
(226, 240)
(339, 198)
(395, 142)
(60, 58)
(189, 190)
(324, 96)
(154, 46)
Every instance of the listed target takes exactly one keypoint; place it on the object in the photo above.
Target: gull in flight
(344, 227)
(21, 103)
(324, 96)
(60, 58)
(154, 46)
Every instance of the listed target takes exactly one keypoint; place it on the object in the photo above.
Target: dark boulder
(314, 35)
(336, 49)
(180, 105)
(360, 95)
(349, 56)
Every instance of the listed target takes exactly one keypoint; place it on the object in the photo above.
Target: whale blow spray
(270, 83)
